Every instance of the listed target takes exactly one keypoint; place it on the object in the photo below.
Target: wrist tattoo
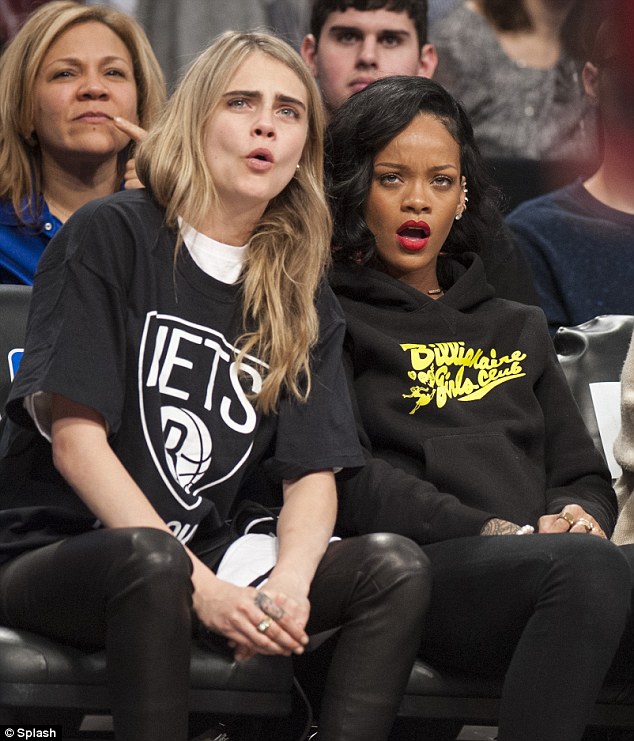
(495, 526)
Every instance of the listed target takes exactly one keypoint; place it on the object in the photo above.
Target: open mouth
(262, 155)
(413, 235)
(414, 230)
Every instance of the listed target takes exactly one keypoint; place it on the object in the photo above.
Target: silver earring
(466, 199)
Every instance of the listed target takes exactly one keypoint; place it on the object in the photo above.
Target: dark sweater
(462, 408)
(581, 253)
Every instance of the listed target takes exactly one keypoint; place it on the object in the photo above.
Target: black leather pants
(377, 588)
(130, 591)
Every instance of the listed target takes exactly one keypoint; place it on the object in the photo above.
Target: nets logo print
(191, 388)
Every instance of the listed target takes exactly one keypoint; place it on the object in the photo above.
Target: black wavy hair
(415, 9)
(363, 126)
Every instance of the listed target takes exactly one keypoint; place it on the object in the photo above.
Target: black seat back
(14, 309)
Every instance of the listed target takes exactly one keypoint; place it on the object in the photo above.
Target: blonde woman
(183, 344)
(78, 85)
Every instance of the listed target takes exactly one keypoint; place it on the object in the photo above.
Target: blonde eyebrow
(257, 95)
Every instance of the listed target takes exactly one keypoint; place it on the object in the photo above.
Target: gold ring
(585, 523)
(568, 518)
(264, 625)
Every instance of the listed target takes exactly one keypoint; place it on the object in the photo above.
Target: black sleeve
(320, 433)
(576, 472)
(75, 342)
(382, 498)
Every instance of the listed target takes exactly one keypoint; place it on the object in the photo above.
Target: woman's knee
(395, 552)
(149, 554)
(591, 557)
(590, 569)
(391, 560)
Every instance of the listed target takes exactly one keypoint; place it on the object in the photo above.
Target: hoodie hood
(464, 284)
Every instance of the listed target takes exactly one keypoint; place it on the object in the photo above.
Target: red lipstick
(413, 235)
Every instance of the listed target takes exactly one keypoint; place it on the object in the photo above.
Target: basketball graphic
(187, 445)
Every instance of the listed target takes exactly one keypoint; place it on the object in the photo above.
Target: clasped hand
(269, 621)
(572, 519)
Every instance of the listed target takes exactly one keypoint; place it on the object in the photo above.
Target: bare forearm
(305, 525)
(84, 458)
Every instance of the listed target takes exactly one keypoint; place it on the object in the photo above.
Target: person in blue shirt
(78, 85)
(578, 239)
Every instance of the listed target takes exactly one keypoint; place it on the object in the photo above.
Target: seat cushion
(29, 658)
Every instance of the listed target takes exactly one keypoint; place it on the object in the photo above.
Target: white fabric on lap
(249, 560)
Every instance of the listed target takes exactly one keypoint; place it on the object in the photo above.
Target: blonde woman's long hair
(289, 248)
(20, 162)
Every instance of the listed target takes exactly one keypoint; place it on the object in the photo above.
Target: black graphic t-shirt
(149, 343)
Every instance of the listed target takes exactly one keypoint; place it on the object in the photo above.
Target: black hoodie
(462, 409)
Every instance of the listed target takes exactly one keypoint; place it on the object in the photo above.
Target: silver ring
(589, 526)
(265, 625)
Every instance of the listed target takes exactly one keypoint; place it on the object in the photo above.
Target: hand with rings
(236, 613)
(567, 517)
(275, 627)
(265, 624)
(572, 519)
(583, 522)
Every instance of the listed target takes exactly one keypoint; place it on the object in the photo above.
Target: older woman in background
(78, 84)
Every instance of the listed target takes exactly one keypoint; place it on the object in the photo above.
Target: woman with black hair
(468, 424)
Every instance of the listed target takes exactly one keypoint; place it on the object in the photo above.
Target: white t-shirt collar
(221, 261)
